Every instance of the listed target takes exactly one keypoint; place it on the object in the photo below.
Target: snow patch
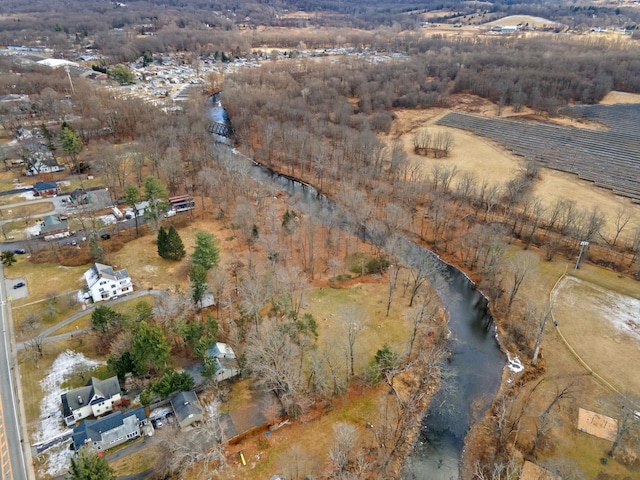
(514, 364)
(108, 219)
(52, 424)
(33, 231)
(29, 195)
(619, 310)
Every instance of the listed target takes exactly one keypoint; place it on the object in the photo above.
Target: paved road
(49, 338)
(12, 460)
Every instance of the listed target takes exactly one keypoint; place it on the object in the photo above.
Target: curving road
(47, 336)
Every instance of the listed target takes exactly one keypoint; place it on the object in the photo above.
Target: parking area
(17, 288)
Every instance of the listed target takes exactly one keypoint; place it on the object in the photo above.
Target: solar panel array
(608, 157)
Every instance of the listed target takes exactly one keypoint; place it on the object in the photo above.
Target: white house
(96, 398)
(224, 361)
(104, 283)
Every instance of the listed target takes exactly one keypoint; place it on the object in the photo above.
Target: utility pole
(583, 244)
(66, 69)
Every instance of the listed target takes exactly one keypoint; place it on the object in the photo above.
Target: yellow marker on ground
(244, 463)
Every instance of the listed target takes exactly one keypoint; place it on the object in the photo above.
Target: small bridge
(222, 129)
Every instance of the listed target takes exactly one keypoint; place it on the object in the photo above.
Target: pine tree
(87, 465)
(163, 241)
(174, 246)
(206, 251)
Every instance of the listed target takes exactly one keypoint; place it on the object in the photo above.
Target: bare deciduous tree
(353, 320)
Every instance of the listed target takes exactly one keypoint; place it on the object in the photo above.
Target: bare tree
(353, 322)
(182, 451)
(544, 422)
(621, 219)
(628, 425)
(520, 267)
(35, 345)
(541, 323)
(341, 455)
(272, 355)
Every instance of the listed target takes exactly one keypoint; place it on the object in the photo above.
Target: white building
(96, 398)
(104, 283)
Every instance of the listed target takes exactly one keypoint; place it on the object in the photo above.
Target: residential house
(54, 227)
(104, 283)
(42, 163)
(187, 409)
(96, 398)
(109, 431)
(46, 189)
(225, 362)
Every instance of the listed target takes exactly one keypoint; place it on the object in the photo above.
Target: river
(476, 362)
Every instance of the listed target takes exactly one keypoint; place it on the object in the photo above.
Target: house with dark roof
(96, 398)
(103, 282)
(42, 162)
(45, 189)
(224, 361)
(187, 409)
(53, 227)
(109, 431)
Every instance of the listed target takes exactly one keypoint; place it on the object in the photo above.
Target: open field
(603, 328)
(27, 211)
(488, 160)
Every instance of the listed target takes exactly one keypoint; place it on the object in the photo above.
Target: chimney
(79, 399)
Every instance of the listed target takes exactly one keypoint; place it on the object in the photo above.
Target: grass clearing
(136, 462)
(31, 375)
(58, 278)
(27, 211)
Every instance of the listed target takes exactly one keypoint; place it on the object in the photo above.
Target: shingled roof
(94, 391)
(98, 430)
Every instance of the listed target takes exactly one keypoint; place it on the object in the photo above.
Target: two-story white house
(94, 399)
(104, 283)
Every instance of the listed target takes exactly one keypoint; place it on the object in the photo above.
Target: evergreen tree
(206, 251)
(8, 258)
(87, 465)
(95, 250)
(174, 246)
(198, 277)
(71, 143)
(172, 381)
(162, 242)
(132, 196)
(149, 349)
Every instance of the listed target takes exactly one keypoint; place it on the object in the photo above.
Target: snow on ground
(619, 310)
(33, 231)
(108, 219)
(515, 364)
(27, 195)
(67, 364)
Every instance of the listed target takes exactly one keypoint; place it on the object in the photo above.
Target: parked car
(20, 251)
(18, 285)
(105, 236)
